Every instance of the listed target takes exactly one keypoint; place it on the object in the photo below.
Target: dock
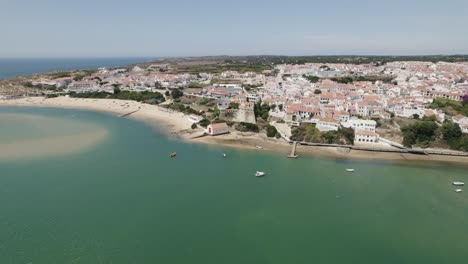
(293, 151)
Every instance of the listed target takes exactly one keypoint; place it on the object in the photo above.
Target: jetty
(293, 151)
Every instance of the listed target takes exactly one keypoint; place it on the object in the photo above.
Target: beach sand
(177, 124)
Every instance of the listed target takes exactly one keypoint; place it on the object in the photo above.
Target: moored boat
(458, 190)
(350, 170)
(458, 183)
(259, 174)
(173, 154)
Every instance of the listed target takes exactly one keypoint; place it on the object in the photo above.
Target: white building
(217, 129)
(327, 124)
(360, 124)
(195, 118)
(365, 137)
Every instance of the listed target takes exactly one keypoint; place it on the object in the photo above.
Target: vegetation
(197, 85)
(146, 96)
(271, 131)
(317, 91)
(420, 133)
(204, 123)
(309, 133)
(57, 75)
(233, 105)
(176, 93)
(83, 73)
(311, 78)
(247, 127)
(194, 125)
(454, 137)
(450, 107)
(343, 80)
(206, 101)
(370, 78)
(261, 110)
(182, 108)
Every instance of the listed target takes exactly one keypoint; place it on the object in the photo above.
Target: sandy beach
(177, 124)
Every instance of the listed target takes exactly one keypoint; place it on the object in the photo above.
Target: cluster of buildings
(294, 99)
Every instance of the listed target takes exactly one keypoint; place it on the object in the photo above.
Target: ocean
(122, 199)
(10, 68)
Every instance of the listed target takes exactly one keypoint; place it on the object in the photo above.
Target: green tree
(204, 123)
(271, 131)
(415, 116)
(451, 132)
(233, 105)
(176, 93)
(317, 91)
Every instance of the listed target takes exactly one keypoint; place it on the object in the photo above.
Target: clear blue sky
(109, 28)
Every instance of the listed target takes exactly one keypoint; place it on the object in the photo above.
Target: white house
(360, 124)
(464, 128)
(460, 119)
(195, 118)
(365, 137)
(327, 124)
(217, 129)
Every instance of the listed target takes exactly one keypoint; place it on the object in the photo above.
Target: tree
(451, 132)
(280, 107)
(317, 91)
(421, 133)
(311, 78)
(176, 93)
(415, 116)
(233, 105)
(116, 89)
(158, 85)
(271, 131)
(167, 93)
(204, 123)
(194, 125)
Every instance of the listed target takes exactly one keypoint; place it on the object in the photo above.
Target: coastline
(177, 124)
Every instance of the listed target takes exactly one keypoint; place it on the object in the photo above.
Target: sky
(156, 28)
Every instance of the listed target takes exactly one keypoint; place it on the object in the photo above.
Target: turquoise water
(125, 201)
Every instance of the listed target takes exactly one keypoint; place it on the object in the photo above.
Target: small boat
(458, 183)
(259, 174)
(173, 154)
(224, 155)
(458, 190)
(350, 170)
(259, 147)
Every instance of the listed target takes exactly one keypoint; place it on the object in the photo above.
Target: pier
(293, 151)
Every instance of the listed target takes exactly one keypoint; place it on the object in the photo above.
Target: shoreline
(175, 123)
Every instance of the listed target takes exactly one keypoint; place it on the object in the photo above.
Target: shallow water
(123, 200)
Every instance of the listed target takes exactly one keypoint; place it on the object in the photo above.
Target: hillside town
(328, 96)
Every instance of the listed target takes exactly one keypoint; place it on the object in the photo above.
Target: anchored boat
(173, 154)
(259, 174)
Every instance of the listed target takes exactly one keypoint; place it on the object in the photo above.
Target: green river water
(123, 200)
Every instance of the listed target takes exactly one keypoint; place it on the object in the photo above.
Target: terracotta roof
(219, 125)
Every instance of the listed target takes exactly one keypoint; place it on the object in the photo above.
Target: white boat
(259, 174)
(350, 170)
(458, 190)
(259, 147)
(458, 183)
(224, 155)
